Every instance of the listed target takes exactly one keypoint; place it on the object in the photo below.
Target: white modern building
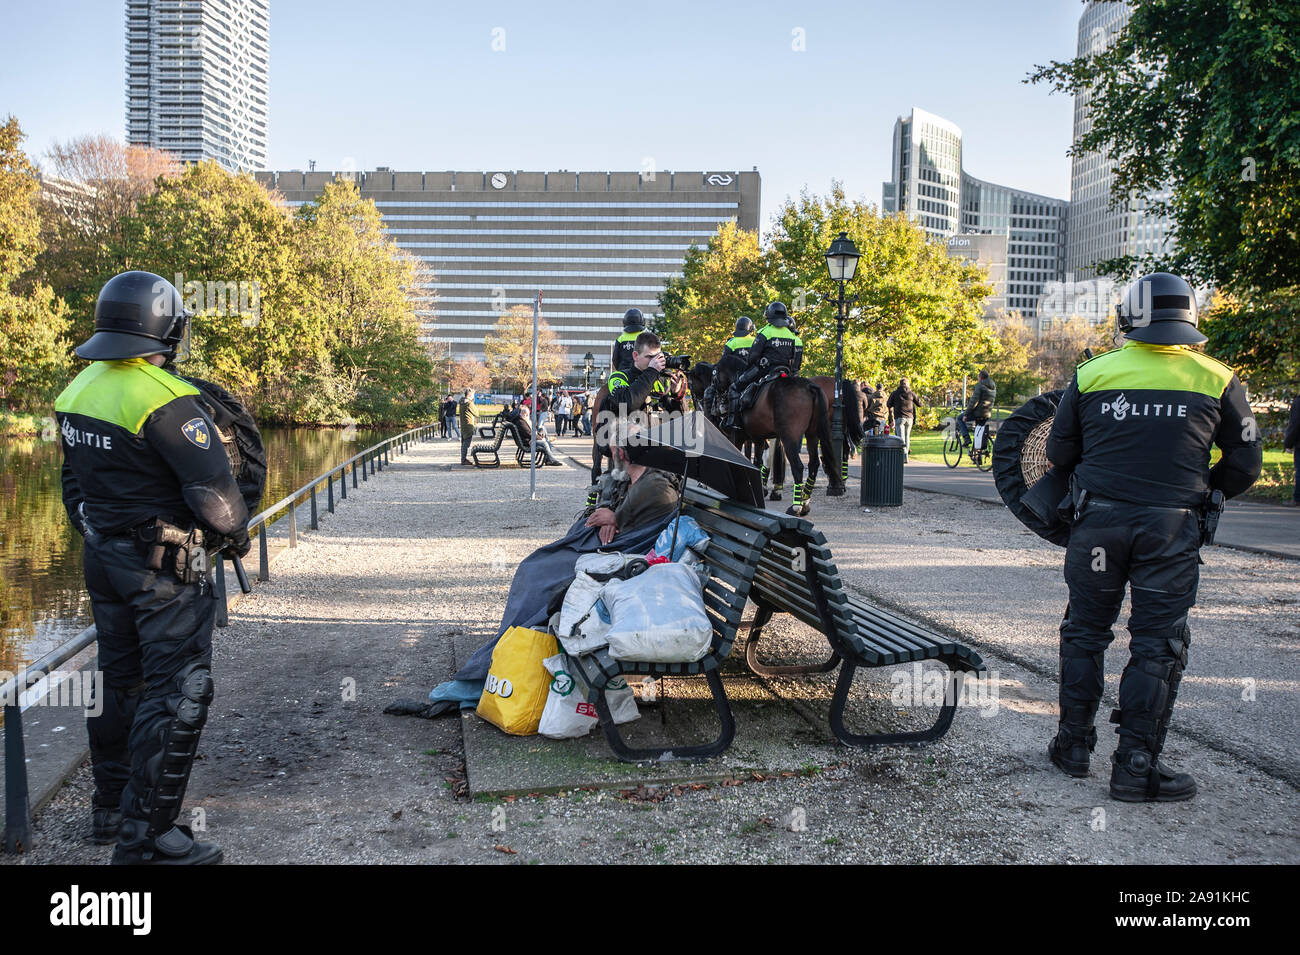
(1100, 230)
(197, 79)
(926, 169)
(931, 188)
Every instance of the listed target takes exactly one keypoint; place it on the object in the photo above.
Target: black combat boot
(1076, 738)
(1138, 776)
(176, 846)
(1082, 676)
(1147, 691)
(105, 821)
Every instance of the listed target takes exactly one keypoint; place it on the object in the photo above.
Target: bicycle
(980, 451)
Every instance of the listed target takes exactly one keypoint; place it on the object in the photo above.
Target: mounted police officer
(733, 363)
(620, 356)
(1135, 427)
(147, 484)
(777, 347)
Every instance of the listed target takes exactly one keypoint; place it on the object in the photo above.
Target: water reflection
(42, 596)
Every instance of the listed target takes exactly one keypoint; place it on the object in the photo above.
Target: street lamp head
(842, 259)
(588, 359)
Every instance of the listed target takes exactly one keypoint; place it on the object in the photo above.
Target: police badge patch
(196, 430)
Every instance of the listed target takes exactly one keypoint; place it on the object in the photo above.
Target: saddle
(750, 394)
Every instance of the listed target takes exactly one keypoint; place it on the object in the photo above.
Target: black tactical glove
(237, 546)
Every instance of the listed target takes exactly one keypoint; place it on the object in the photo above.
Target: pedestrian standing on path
(1291, 442)
(1135, 428)
(468, 422)
(450, 408)
(902, 408)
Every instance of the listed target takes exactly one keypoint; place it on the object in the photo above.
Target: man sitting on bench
(523, 424)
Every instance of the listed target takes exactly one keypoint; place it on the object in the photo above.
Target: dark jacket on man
(903, 402)
(1291, 439)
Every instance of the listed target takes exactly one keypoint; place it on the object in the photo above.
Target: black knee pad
(196, 693)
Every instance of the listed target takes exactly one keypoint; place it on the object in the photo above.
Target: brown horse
(853, 416)
(793, 410)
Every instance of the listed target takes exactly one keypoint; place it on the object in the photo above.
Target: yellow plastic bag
(514, 693)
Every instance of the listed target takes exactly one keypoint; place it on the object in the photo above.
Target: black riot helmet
(776, 314)
(744, 326)
(1159, 309)
(633, 321)
(138, 314)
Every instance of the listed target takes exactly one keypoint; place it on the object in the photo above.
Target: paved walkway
(299, 764)
(1256, 526)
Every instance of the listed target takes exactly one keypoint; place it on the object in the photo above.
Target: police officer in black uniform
(732, 363)
(778, 346)
(620, 356)
(148, 485)
(1135, 427)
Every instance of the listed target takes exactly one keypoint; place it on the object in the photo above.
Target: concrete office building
(990, 251)
(1035, 228)
(933, 190)
(197, 79)
(594, 243)
(1098, 230)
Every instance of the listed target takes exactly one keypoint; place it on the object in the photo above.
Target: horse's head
(699, 377)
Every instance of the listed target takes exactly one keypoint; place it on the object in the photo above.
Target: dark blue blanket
(546, 573)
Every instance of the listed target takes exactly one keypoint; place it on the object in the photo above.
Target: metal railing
(366, 464)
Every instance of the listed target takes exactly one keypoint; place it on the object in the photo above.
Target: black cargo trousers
(155, 653)
(1155, 550)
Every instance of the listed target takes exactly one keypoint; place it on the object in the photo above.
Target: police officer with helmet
(148, 485)
(733, 362)
(1135, 428)
(777, 346)
(620, 356)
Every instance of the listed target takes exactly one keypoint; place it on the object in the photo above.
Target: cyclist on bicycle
(980, 408)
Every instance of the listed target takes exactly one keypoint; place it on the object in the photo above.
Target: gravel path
(298, 764)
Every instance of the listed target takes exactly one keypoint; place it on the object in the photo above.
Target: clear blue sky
(414, 84)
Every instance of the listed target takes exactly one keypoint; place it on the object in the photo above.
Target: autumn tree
(92, 186)
(719, 283)
(919, 312)
(508, 349)
(363, 283)
(34, 360)
(1064, 344)
(469, 373)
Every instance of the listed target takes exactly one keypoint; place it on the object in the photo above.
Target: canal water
(42, 595)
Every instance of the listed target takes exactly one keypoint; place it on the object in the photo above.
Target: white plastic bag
(658, 616)
(568, 714)
(582, 625)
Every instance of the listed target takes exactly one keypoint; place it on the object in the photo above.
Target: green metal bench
(784, 565)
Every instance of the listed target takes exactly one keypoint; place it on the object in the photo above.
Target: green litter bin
(882, 471)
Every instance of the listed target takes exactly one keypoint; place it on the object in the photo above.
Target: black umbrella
(690, 445)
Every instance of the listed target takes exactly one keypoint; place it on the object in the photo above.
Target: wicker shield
(1020, 462)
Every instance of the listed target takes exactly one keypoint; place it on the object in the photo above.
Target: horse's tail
(823, 416)
(852, 399)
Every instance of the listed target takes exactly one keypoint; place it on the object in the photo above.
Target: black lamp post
(841, 262)
(587, 361)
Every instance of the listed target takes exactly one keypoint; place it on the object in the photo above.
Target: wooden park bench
(783, 565)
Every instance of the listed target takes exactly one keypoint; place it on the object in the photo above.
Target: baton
(242, 577)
